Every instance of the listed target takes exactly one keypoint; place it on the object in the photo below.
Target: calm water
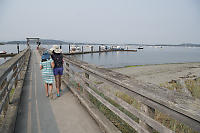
(10, 48)
(148, 55)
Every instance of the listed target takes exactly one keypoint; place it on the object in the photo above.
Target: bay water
(148, 55)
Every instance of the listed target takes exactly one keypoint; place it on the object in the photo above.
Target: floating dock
(89, 52)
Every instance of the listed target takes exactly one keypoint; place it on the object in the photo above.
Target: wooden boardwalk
(39, 114)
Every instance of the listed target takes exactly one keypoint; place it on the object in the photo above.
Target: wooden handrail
(9, 75)
(176, 105)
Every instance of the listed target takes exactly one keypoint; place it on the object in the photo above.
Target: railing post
(2, 86)
(15, 73)
(149, 112)
(5, 108)
(87, 76)
(67, 69)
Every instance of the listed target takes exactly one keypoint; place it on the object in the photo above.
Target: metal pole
(82, 49)
(69, 48)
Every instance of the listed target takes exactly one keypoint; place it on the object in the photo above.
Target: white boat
(88, 46)
(3, 52)
(74, 48)
(103, 47)
(117, 48)
(140, 47)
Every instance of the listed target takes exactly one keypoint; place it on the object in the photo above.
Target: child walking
(46, 66)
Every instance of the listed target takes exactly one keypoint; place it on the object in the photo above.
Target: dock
(8, 55)
(103, 51)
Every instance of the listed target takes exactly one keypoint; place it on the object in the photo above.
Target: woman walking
(46, 66)
(57, 57)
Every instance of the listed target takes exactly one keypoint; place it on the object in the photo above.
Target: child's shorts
(58, 71)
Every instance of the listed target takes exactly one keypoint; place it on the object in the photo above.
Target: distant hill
(58, 42)
(175, 45)
(190, 45)
(43, 41)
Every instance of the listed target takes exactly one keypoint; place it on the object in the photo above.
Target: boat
(117, 48)
(103, 47)
(3, 52)
(74, 48)
(140, 47)
(88, 46)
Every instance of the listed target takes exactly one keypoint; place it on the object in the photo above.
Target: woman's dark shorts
(58, 71)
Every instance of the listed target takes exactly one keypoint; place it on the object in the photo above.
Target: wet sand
(162, 73)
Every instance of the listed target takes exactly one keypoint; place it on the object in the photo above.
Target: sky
(102, 21)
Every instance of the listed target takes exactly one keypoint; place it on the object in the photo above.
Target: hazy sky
(102, 21)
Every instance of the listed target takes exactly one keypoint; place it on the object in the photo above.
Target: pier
(103, 51)
(7, 55)
(91, 100)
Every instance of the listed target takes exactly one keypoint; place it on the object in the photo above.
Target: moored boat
(3, 52)
(140, 47)
(117, 48)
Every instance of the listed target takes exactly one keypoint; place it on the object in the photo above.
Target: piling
(91, 48)
(18, 48)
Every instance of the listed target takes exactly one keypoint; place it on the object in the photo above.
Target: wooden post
(149, 112)
(87, 76)
(91, 48)
(28, 42)
(15, 73)
(3, 84)
(67, 69)
(5, 108)
(18, 48)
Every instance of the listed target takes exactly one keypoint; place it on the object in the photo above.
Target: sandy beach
(162, 73)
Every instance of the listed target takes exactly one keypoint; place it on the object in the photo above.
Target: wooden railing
(10, 74)
(95, 81)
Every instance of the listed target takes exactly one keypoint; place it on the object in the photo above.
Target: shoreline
(150, 65)
(161, 73)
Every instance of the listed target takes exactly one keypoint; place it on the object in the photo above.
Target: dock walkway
(40, 114)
